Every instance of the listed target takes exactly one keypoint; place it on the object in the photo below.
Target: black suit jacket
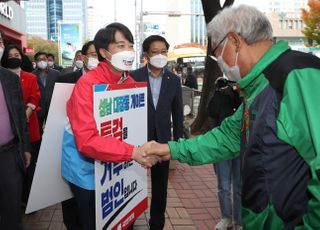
(72, 77)
(14, 98)
(46, 91)
(169, 103)
(57, 67)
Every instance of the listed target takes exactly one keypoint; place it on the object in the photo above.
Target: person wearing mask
(77, 64)
(52, 64)
(46, 78)
(12, 59)
(164, 102)
(191, 79)
(15, 148)
(114, 46)
(224, 103)
(178, 72)
(90, 61)
(71, 219)
(276, 129)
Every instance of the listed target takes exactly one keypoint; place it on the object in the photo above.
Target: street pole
(136, 35)
(141, 29)
(115, 10)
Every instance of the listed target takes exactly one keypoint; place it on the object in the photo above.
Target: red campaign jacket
(80, 113)
(31, 96)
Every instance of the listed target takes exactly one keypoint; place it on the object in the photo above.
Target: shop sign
(6, 10)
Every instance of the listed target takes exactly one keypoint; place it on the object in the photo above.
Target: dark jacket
(57, 67)
(46, 92)
(276, 130)
(169, 103)
(71, 77)
(13, 94)
(191, 81)
(223, 104)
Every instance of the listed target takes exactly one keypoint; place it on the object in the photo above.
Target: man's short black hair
(50, 55)
(38, 54)
(85, 47)
(106, 36)
(153, 38)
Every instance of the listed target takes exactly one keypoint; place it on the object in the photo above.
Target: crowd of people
(264, 140)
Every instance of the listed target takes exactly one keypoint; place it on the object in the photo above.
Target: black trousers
(10, 190)
(159, 181)
(71, 217)
(28, 177)
(85, 202)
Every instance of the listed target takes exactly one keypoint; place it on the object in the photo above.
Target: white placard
(48, 187)
(121, 189)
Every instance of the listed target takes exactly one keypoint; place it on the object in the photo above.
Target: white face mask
(79, 64)
(92, 63)
(159, 61)
(42, 65)
(1, 52)
(232, 73)
(50, 63)
(123, 60)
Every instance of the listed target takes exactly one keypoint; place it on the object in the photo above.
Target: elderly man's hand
(153, 148)
(139, 155)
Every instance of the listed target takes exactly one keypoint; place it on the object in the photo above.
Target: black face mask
(14, 63)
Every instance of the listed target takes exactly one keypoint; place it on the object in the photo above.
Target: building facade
(198, 25)
(36, 17)
(43, 16)
(12, 23)
(293, 6)
(54, 16)
(76, 11)
(285, 18)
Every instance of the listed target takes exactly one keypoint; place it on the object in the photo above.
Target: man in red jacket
(82, 144)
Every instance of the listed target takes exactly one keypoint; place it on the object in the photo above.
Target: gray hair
(247, 21)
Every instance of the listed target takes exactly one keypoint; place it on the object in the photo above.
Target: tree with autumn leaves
(311, 20)
(39, 44)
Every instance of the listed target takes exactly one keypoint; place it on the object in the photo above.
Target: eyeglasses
(215, 49)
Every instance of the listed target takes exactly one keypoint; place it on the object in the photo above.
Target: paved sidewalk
(192, 203)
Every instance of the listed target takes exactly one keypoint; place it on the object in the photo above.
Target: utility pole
(141, 29)
(137, 43)
(115, 10)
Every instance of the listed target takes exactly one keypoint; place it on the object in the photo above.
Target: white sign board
(121, 188)
(48, 187)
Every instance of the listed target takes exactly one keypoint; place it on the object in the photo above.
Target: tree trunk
(212, 71)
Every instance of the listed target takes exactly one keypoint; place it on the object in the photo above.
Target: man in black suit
(71, 218)
(15, 148)
(164, 102)
(46, 78)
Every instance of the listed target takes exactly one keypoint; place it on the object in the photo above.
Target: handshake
(150, 153)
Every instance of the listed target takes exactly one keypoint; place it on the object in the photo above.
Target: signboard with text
(121, 188)
(70, 41)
